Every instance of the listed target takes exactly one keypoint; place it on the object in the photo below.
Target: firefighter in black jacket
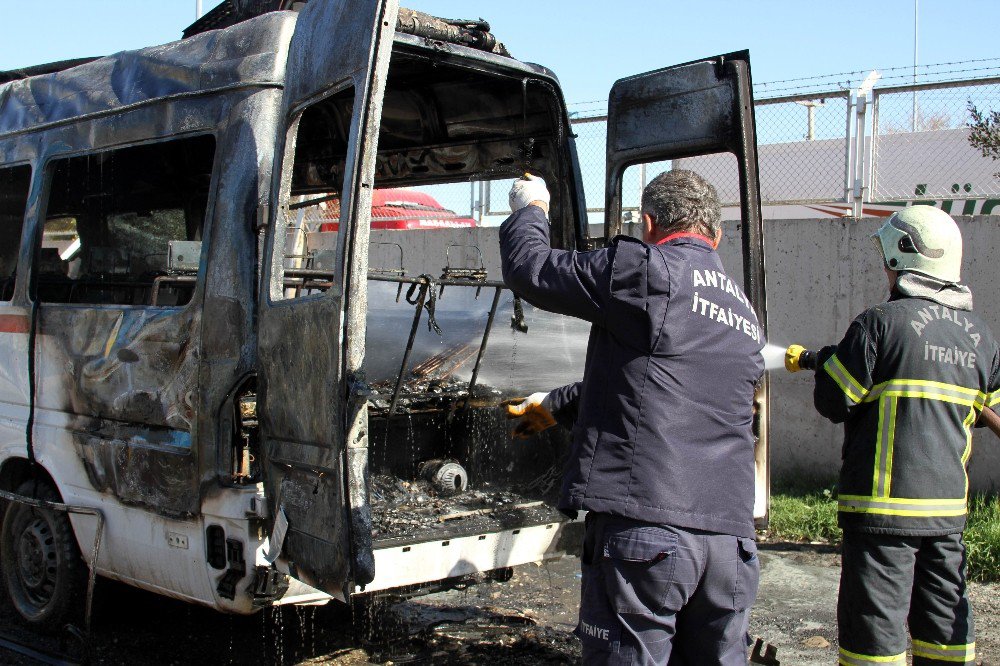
(908, 381)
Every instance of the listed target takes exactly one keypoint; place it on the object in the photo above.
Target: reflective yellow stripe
(926, 383)
(882, 475)
(951, 501)
(900, 506)
(993, 399)
(922, 388)
(890, 441)
(960, 654)
(969, 421)
(854, 659)
(847, 383)
(930, 395)
(879, 437)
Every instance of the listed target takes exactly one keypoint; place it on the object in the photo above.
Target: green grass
(982, 539)
(799, 514)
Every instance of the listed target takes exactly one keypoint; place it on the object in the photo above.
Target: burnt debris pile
(444, 462)
(416, 509)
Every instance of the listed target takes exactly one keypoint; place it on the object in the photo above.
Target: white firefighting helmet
(921, 239)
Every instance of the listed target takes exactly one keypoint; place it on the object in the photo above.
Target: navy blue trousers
(657, 594)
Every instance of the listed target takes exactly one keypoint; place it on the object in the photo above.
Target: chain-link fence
(921, 150)
(802, 152)
(839, 151)
(803, 147)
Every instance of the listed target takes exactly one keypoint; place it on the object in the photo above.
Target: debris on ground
(816, 643)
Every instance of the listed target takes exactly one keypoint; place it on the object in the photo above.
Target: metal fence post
(484, 199)
(852, 102)
(873, 148)
(860, 153)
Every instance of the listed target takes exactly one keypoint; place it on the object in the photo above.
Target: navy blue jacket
(664, 412)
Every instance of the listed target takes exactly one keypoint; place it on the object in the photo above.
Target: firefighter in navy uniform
(908, 381)
(663, 451)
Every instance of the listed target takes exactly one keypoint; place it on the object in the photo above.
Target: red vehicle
(404, 208)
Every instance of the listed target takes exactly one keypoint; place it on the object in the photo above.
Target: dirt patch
(796, 607)
(985, 599)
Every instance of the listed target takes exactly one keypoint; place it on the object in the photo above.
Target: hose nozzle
(798, 358)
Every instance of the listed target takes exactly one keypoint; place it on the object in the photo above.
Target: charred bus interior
(442, 459)
(124, 226)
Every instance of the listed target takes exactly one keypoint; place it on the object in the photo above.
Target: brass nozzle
(798, 358)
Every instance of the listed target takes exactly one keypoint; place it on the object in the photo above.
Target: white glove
(526, 189)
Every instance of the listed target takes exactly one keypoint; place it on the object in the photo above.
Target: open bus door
(312, 424)
(698, 108)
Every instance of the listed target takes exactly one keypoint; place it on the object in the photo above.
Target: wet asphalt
(527, 620)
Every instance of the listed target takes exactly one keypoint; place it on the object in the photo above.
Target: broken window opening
(436, 301)
(442, 460)
(313, 200)
(14, 185)
(124, 226)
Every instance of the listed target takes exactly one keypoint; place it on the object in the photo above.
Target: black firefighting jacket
(908, 381)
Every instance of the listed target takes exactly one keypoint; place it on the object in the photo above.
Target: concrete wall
(821, 273)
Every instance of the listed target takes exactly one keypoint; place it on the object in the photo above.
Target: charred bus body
(251, 403)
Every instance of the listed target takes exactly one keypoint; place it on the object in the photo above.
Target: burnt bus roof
(38, 70)
(472, 33)
(247, 54)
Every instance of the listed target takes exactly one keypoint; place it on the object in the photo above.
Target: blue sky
(588, 44)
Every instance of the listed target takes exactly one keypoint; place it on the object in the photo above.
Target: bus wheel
(39, 559)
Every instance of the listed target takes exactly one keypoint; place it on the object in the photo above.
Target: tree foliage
(984, 132)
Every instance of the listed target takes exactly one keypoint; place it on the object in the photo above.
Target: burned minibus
(212, 392)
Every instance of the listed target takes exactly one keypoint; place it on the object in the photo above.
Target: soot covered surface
(411, 511)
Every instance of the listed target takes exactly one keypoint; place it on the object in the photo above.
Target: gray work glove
(527, 189)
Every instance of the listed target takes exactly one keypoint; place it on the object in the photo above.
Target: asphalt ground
(525, 621)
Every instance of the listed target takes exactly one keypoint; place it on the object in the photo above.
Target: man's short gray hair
(681, 200)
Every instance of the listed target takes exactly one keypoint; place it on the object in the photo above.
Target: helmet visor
(876, 240)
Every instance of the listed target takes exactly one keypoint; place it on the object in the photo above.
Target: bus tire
(43, 573)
